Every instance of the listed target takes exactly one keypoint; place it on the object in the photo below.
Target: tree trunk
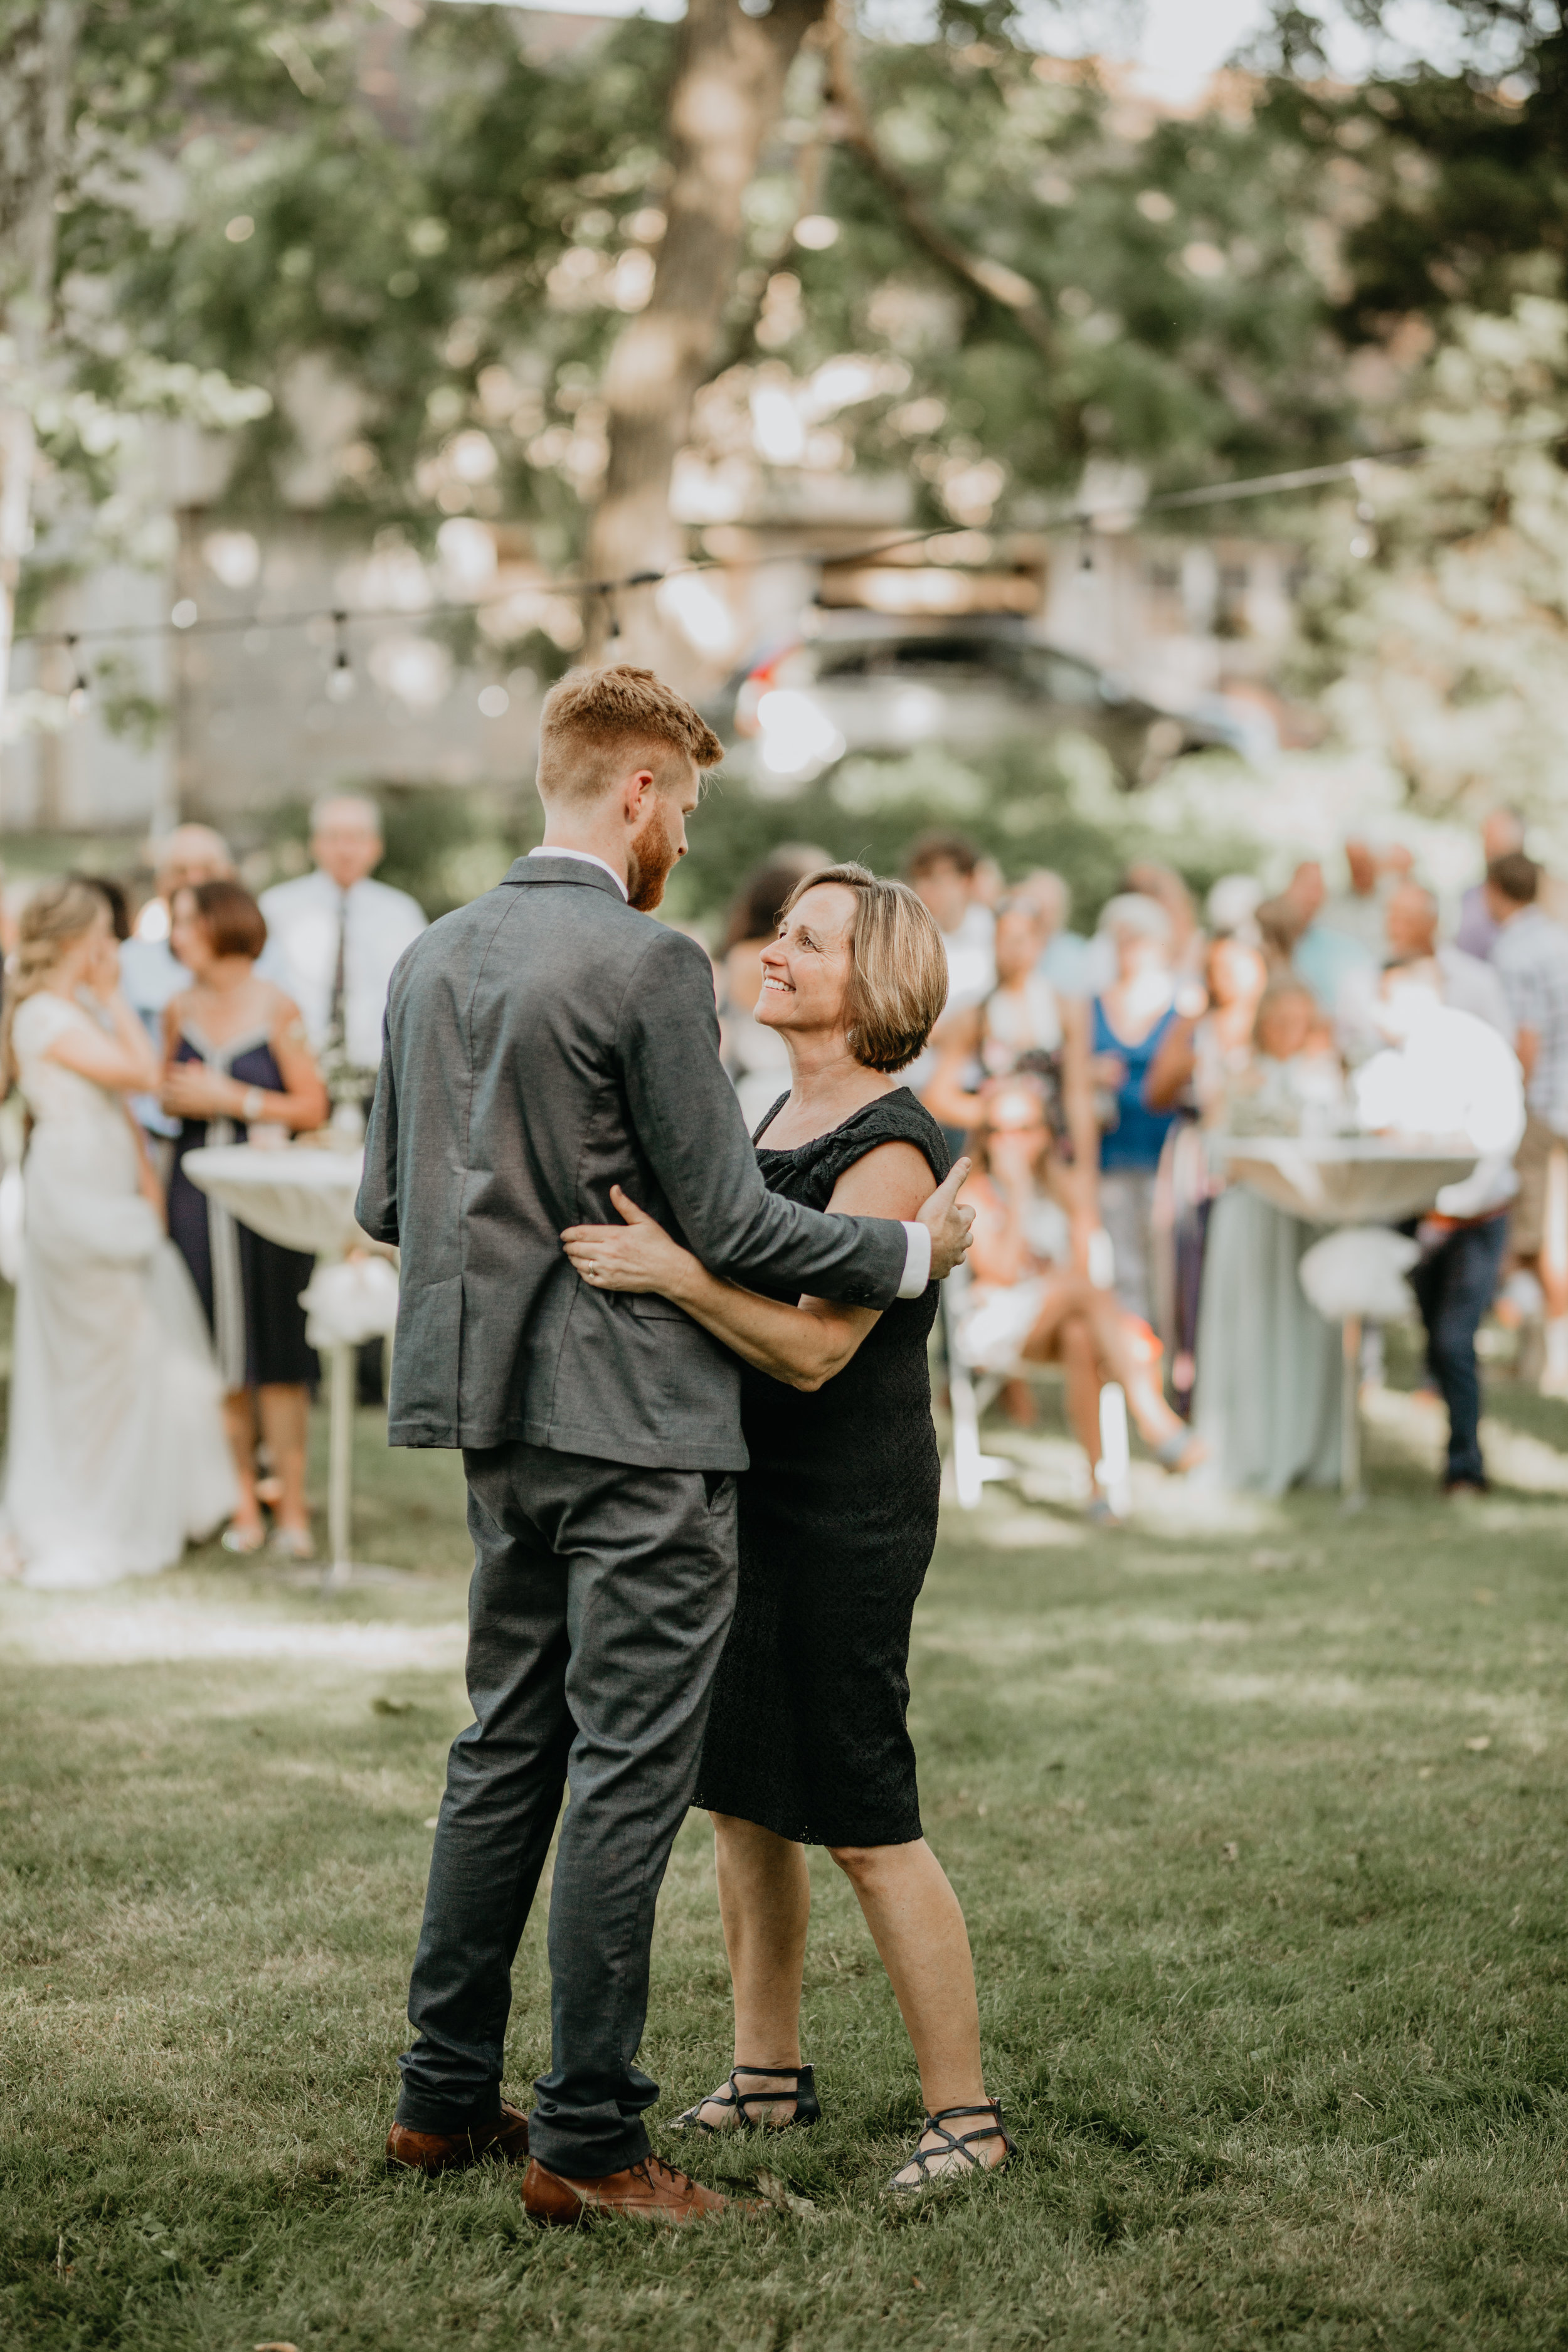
(725, 99)
(38, 66)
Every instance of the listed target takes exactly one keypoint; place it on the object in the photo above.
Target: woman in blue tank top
(1130, 1023)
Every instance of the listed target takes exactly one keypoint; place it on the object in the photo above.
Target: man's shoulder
(591, 923)
(1531, 941)
(281, 898)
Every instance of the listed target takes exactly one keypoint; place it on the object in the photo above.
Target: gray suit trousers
(601, 1597)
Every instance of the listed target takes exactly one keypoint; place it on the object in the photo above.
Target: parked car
(867, 683)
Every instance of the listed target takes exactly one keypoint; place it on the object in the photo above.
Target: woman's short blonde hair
(897, 976)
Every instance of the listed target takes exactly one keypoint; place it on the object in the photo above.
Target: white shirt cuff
(916, 1261)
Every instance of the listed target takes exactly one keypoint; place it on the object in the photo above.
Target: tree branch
(993, 280)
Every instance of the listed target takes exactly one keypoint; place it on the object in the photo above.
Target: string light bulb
(81, 690)
(1364, 541)
(340, 679)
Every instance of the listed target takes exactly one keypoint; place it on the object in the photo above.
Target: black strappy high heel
(955, 2144)
(807, 2110)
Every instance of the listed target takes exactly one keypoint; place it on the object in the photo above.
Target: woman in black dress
(235, 1060)
(806, 1740)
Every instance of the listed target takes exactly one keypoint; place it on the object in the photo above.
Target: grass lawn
(1260, 1827)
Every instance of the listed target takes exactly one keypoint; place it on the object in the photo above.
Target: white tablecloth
(299, 1197)
(1344, 1180)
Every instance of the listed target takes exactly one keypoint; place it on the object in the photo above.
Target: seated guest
(1292, 1083)
(1267, 1400)
(235, 1061)
(1027, 1303)
(1022, 1024)
(1444, 1072)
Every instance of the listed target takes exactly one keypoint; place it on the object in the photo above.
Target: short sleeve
(898, 1118)
(40, 1019)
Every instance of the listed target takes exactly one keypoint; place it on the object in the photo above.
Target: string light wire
(1081, 520)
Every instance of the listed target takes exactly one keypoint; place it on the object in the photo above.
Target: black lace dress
(838, 1518)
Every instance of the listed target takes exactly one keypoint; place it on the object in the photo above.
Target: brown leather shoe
(505, 2138)
(650, 2191)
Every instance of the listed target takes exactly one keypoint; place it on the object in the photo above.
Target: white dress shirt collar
(586, 857)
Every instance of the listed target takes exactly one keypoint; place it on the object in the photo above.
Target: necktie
(336, 1010)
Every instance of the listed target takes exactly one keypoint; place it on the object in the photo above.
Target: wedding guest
(150, 972)
(1266, 1399)
(1199, 1060)
(1022, 1023)
(237, 1063)
(940, 868)
(1444, 1071)
(1529, 956)
(1130, 1021)
(116, 1453)
(1063, 956)
(807, 1741)
(1502, 836)
(1185, 948)
(338, 934)
(1410, 933)
(1360, 911)
(1028, 1304)
(1320, 952)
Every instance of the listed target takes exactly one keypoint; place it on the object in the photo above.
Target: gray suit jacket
(542, 1043)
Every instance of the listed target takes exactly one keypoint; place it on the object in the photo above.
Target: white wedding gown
(117, 1445)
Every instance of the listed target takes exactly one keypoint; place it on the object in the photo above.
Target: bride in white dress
(117, 1448)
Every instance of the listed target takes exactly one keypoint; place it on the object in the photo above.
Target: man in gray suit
(543, 1044)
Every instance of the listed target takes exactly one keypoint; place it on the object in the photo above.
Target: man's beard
(650, 858)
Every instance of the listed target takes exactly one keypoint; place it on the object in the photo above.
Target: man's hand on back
(948, 1221)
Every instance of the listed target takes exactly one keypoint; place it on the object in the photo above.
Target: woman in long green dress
(1269, 1366)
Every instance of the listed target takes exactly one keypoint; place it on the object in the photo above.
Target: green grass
(1270, 1959)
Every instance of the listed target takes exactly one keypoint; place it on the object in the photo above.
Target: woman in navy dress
(807, 1742)
(237, 1061)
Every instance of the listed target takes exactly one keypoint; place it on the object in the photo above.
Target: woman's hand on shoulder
(638, 1255)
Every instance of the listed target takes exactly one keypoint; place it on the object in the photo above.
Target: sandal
(1182, 1451)
(244, 1540)
(733, 2098)
(952, 2144)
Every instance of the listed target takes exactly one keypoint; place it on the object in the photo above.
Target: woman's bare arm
(1077, 1097)
(190, 1090)
(804, 1345)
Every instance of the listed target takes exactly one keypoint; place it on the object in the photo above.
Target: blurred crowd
(1094, 1081)
(162, 1370)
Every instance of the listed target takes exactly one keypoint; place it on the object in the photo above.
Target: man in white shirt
(1448, 1073)
(1410, 928)
(338, 934)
